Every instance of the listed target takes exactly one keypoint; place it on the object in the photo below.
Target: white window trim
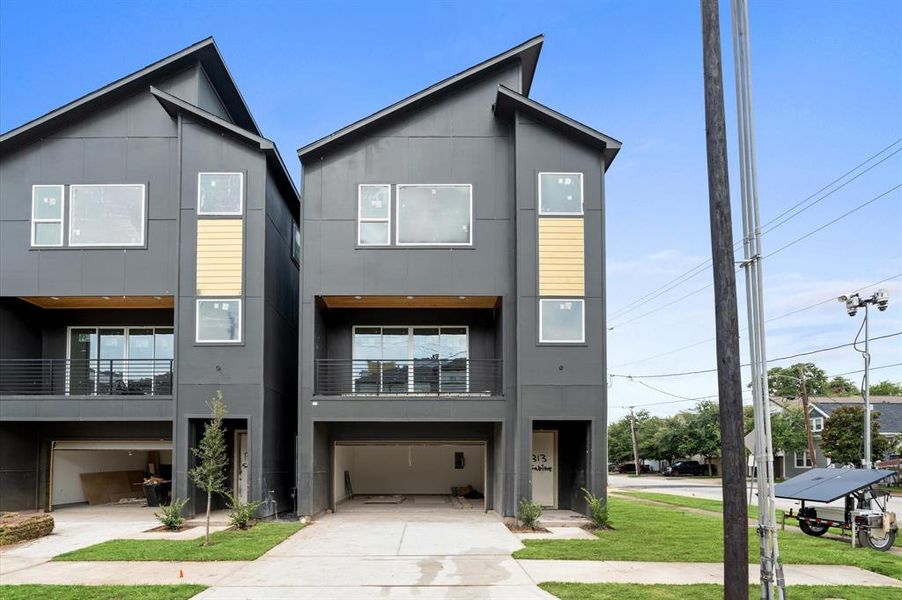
(61, 219)
(582, 339)
(803, 464)
(469, 187)
(197, 339)
(582, 195)
(361, 219)
(815, 421)
(240, 212)
(116, 245)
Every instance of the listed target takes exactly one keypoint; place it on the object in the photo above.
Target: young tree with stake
(212, 458)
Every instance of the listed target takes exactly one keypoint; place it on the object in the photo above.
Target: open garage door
(413, 470)
(105, 471)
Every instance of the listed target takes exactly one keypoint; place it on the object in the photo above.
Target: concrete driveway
(421, 548)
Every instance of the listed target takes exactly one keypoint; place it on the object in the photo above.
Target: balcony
(417, 377)
(86, 377)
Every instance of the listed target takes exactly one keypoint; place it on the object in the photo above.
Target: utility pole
(729, 379)
(771, 572)
(635, 441)
(804, 391)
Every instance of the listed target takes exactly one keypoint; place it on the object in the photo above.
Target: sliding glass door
(120, 360)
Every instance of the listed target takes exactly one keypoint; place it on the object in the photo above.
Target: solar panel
(827, 485)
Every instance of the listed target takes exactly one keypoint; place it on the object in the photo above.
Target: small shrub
(598, 509)
(171, 516)
(529, 513)
(241, 513)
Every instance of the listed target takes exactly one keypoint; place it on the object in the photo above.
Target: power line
(700, 268)
(778, 250)
(770, 320)
(781, 358)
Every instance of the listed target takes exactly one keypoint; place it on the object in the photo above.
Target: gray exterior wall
(134, 140)
(455, 138)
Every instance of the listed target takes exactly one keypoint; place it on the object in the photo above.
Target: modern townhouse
(149, 256)
(452, 302)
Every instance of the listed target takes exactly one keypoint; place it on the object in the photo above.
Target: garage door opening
(407, 473)
(107, 471)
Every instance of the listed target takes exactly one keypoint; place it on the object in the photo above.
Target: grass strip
(630, 591)
(645, 532)
(230, 544)
(100, 592)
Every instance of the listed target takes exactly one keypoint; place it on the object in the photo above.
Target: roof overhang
(204, 52)
(507, 102)
(453, 302)
(527, 53)
(176, 106)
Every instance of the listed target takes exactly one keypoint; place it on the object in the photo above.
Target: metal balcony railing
(417, 377)
(87, 377)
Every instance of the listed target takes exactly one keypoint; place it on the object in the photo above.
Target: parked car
(631, 468)
(685, 467)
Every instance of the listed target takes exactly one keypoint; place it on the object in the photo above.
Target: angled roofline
(176, 106)
(205, 52)
(527, 53)
(507, 101)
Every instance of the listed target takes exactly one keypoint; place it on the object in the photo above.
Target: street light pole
(853, 302)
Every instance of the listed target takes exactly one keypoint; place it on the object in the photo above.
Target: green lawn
(631, 591)
(717, 506)
(645, 532)
(224, 545)
(100, 592)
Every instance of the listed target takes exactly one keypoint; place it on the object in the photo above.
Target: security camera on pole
(853, 302)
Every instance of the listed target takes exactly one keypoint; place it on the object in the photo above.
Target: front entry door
(544, 468)
(241, 466)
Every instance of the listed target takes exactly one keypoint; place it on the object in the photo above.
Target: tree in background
(784, 382)
(668, 438)
(702, 427)
(886, 388)
(840, 386)
(788, 430)
(842, 439)
(209, 474)
(620, 444)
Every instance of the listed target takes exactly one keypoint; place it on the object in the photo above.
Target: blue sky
(827, 83)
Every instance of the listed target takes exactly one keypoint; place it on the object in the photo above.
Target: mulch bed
(521, 529)
(165, 529)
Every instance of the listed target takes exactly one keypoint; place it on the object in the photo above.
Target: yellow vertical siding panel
(220, 257)
(562, 255)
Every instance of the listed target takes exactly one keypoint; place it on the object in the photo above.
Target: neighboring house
(149, 257)
(452, 304)
(820, 408)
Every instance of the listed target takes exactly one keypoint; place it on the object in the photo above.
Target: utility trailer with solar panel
(863, 512)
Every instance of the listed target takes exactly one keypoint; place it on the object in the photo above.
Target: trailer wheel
(868, 537)
(814, 529)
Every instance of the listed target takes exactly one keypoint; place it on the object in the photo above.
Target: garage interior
(107, 471)
(395, 472)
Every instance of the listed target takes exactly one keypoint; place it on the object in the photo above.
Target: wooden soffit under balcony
(101, 301)
(411, 301)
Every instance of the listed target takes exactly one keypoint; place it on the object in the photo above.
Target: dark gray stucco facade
(457, 133)
(159, 127)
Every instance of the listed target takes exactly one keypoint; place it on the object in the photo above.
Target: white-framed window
(434, 214)
(560, 194)
(107, 214)
(562, 321)
(47, 210)
(817, 424)
(220, 194)
(802, 461)
(296, 243)
(218, 321)
(373, 214)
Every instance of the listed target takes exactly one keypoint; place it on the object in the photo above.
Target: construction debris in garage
(394, 499)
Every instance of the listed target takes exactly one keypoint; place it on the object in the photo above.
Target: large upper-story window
(47, 208)
(220, 193)
(107, 215)
(562, 321)
(374, 215)
(560, 193)
(435, 215)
